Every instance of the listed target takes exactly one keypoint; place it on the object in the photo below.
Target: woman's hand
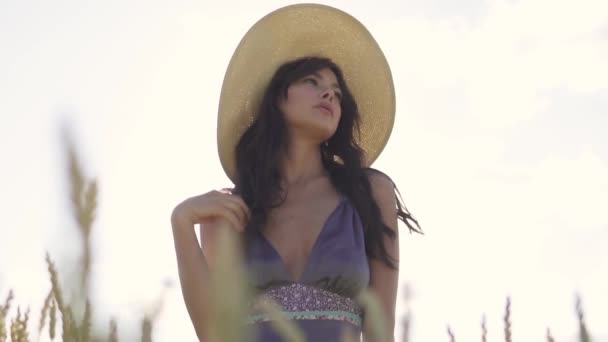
(212, 209)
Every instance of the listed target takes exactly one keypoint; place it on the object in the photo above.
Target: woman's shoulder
(378, 178)
(382, 186)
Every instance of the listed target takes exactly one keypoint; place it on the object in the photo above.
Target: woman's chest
(335, 259)
(294, 227)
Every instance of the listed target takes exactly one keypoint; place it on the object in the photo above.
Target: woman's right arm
(211, 210)
(193, 272)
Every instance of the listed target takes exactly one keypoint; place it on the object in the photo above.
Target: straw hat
(306, 30)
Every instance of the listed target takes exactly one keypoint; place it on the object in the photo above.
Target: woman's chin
(318, 129)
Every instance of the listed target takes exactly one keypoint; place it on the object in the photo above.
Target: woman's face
(312, 106)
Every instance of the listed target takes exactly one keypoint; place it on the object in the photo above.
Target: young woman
(318, 225)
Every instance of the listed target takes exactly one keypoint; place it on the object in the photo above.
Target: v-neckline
(312, 249)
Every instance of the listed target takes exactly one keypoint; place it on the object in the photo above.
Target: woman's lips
(325, 109)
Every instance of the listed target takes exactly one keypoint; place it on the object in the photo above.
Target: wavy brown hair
(260, 148)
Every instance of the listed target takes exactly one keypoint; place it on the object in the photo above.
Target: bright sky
(499, 148)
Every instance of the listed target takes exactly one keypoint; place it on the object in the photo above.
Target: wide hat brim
(297, 31)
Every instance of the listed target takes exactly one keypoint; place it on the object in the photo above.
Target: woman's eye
(311, 80)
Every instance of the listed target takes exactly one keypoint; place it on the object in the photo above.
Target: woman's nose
(327, 94)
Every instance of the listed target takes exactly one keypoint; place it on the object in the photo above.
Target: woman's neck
(301, 163)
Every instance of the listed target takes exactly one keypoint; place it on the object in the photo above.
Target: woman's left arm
(384, 279)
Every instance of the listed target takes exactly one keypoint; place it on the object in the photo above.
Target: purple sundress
(322, 302)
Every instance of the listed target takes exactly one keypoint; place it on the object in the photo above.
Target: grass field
(69, 319)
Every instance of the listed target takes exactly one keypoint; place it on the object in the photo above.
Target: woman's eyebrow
(334, 85)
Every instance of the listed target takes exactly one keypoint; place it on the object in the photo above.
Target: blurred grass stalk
(226, 291)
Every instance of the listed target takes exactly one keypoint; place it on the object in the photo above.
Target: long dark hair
(260, 148)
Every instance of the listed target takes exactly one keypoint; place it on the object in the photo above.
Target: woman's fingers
(229, 214)
(238, 206)
(220, 204)
(231, 208)
(236, 198)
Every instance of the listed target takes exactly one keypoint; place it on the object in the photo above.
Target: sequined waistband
(300, 301)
